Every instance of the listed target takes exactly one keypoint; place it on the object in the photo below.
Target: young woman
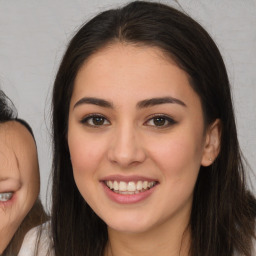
(146, 156)
(20, 207)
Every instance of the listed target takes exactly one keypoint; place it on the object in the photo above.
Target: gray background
(34, 35)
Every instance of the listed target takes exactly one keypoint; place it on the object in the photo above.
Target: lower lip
(9, 202)
(127, 199)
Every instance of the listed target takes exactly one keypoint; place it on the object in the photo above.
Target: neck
(161, 240)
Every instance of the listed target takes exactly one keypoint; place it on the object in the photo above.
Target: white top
(34, 238)
(29, 244)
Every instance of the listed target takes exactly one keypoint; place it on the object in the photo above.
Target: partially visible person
(20, 206)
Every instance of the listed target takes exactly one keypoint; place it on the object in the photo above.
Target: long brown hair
(223, 212)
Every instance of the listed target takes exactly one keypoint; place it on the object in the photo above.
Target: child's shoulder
(37, 242)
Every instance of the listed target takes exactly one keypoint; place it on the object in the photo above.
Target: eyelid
(9, 185)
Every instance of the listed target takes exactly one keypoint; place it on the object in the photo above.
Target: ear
(212, 143)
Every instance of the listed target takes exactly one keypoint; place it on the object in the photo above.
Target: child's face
(136, 137)
(19, 178)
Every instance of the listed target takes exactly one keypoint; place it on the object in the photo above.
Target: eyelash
(168, 121)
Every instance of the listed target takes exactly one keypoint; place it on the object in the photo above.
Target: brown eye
(98, 120)
(160, 121)
(95, 120)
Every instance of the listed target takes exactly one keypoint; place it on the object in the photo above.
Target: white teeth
(110, 184)
(5, 196)
(145, 184)
(151, 184)
(122, 186)
(115, 185)
(139, 185)
(131, 187)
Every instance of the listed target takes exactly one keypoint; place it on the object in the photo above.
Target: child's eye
(95, 121)
(160, 121)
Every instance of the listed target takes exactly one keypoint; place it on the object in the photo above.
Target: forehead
(8, 135)
(125, 59)
(15, 143)
(126, 71)
(8, 158)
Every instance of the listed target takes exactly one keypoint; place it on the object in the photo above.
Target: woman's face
(19, 178)
(136, 137)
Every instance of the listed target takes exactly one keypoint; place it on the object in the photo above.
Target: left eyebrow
(94, 101)
(158, 101)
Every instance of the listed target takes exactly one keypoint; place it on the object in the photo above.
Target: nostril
(125, 149)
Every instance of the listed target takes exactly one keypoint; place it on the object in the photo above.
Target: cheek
(30, 179)
(179, 155)
(85, 153)
(178, 160)
(12, 215)
(29, 191)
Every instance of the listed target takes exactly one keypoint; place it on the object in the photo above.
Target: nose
(126, 147)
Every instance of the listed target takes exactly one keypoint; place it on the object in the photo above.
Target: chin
(130, 225)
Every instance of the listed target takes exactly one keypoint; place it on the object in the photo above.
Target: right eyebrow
(94, 101)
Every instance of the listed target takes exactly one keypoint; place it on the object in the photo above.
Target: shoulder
(253, 252)
(37, 242)
(254, 247)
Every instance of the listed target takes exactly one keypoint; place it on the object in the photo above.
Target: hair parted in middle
(223, 211)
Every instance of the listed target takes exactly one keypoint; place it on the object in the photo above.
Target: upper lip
(9, 185)
(127, 178)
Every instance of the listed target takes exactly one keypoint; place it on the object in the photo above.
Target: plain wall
(34, 35)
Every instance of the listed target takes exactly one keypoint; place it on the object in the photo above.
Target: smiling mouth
(4, 197)
(129, 188)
